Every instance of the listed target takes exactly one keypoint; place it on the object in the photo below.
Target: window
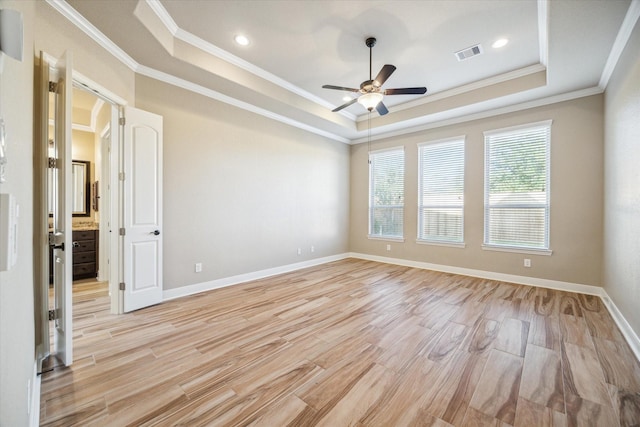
(516, 194)
(441, 191)
(386, 193)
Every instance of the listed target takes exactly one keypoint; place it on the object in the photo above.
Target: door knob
(155, 232)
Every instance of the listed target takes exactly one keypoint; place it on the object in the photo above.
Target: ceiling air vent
(468, 52)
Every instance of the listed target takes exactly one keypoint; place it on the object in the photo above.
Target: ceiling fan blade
(381, 108)
(348, 89)
(406, 91)
(345, 105)
(384, 74)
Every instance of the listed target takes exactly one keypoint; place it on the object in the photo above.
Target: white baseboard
(511, 278)
(626, 329)
(169, 294)
(34, 398)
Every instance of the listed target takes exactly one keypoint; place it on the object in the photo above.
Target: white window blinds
(441, 191)
(386, 193)
(516, 199)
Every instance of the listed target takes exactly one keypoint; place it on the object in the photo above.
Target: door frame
(115, 162)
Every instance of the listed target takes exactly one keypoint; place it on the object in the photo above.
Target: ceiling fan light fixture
(370, 100)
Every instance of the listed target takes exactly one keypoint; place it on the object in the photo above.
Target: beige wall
(16, 285)
(54, 34)
(241, 192)
(622, 184)
(576, 196)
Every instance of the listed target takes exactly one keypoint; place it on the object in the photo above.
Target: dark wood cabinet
(85, 254)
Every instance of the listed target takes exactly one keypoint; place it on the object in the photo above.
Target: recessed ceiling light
(499, 43)
(241, 40)
(346, 98)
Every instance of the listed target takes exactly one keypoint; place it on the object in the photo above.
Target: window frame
(371, 207)
(420, 202)
(488, 135)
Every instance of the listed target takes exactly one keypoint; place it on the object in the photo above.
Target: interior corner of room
(147, 161)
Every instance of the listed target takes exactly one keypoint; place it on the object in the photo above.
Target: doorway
(90, 217)
(118, 235)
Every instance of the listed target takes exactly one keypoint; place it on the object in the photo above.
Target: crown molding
(459, 90)
(163, 15)
(79, 21)
(210, 93)
(214, 50)
(484, 114)
(629, 22)
(89, 29)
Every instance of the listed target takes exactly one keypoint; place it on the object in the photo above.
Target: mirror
(80, 187)
(80, 193)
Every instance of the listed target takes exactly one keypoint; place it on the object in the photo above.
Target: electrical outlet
(313, 249)
(198, 267)
(388, 247)
(527, 262)
(299, 251)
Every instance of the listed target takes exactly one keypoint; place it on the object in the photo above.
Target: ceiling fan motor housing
(369, 86)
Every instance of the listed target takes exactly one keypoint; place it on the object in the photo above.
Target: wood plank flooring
(349, 343)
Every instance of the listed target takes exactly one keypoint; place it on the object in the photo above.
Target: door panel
(142, 209)
(62, 252)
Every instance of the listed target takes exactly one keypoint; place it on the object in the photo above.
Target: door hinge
(53, 87)
(122, 121)
(122, 231)
(122, 286)
(52, 315)
(121, 176)
(53, 163)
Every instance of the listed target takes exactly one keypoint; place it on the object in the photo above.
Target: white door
(62, 233)
(142, 242)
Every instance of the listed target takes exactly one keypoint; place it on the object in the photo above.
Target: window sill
(517, 250)
(436, 243)
(387, 238)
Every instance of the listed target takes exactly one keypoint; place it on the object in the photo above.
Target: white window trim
(387, 239)
(544, 124)
(440, 242)
(511, 129)
(378, 236)
(516, 250)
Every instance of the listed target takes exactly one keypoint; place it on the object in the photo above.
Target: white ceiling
(557, 50)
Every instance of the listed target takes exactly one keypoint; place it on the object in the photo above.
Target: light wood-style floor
(349, 343)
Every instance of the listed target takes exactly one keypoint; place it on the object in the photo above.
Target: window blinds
(441, 191)
(516, 198)
(386, 193)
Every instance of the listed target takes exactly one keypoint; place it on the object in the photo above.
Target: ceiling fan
(371, 93)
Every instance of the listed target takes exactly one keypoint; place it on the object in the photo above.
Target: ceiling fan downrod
(370, 42)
